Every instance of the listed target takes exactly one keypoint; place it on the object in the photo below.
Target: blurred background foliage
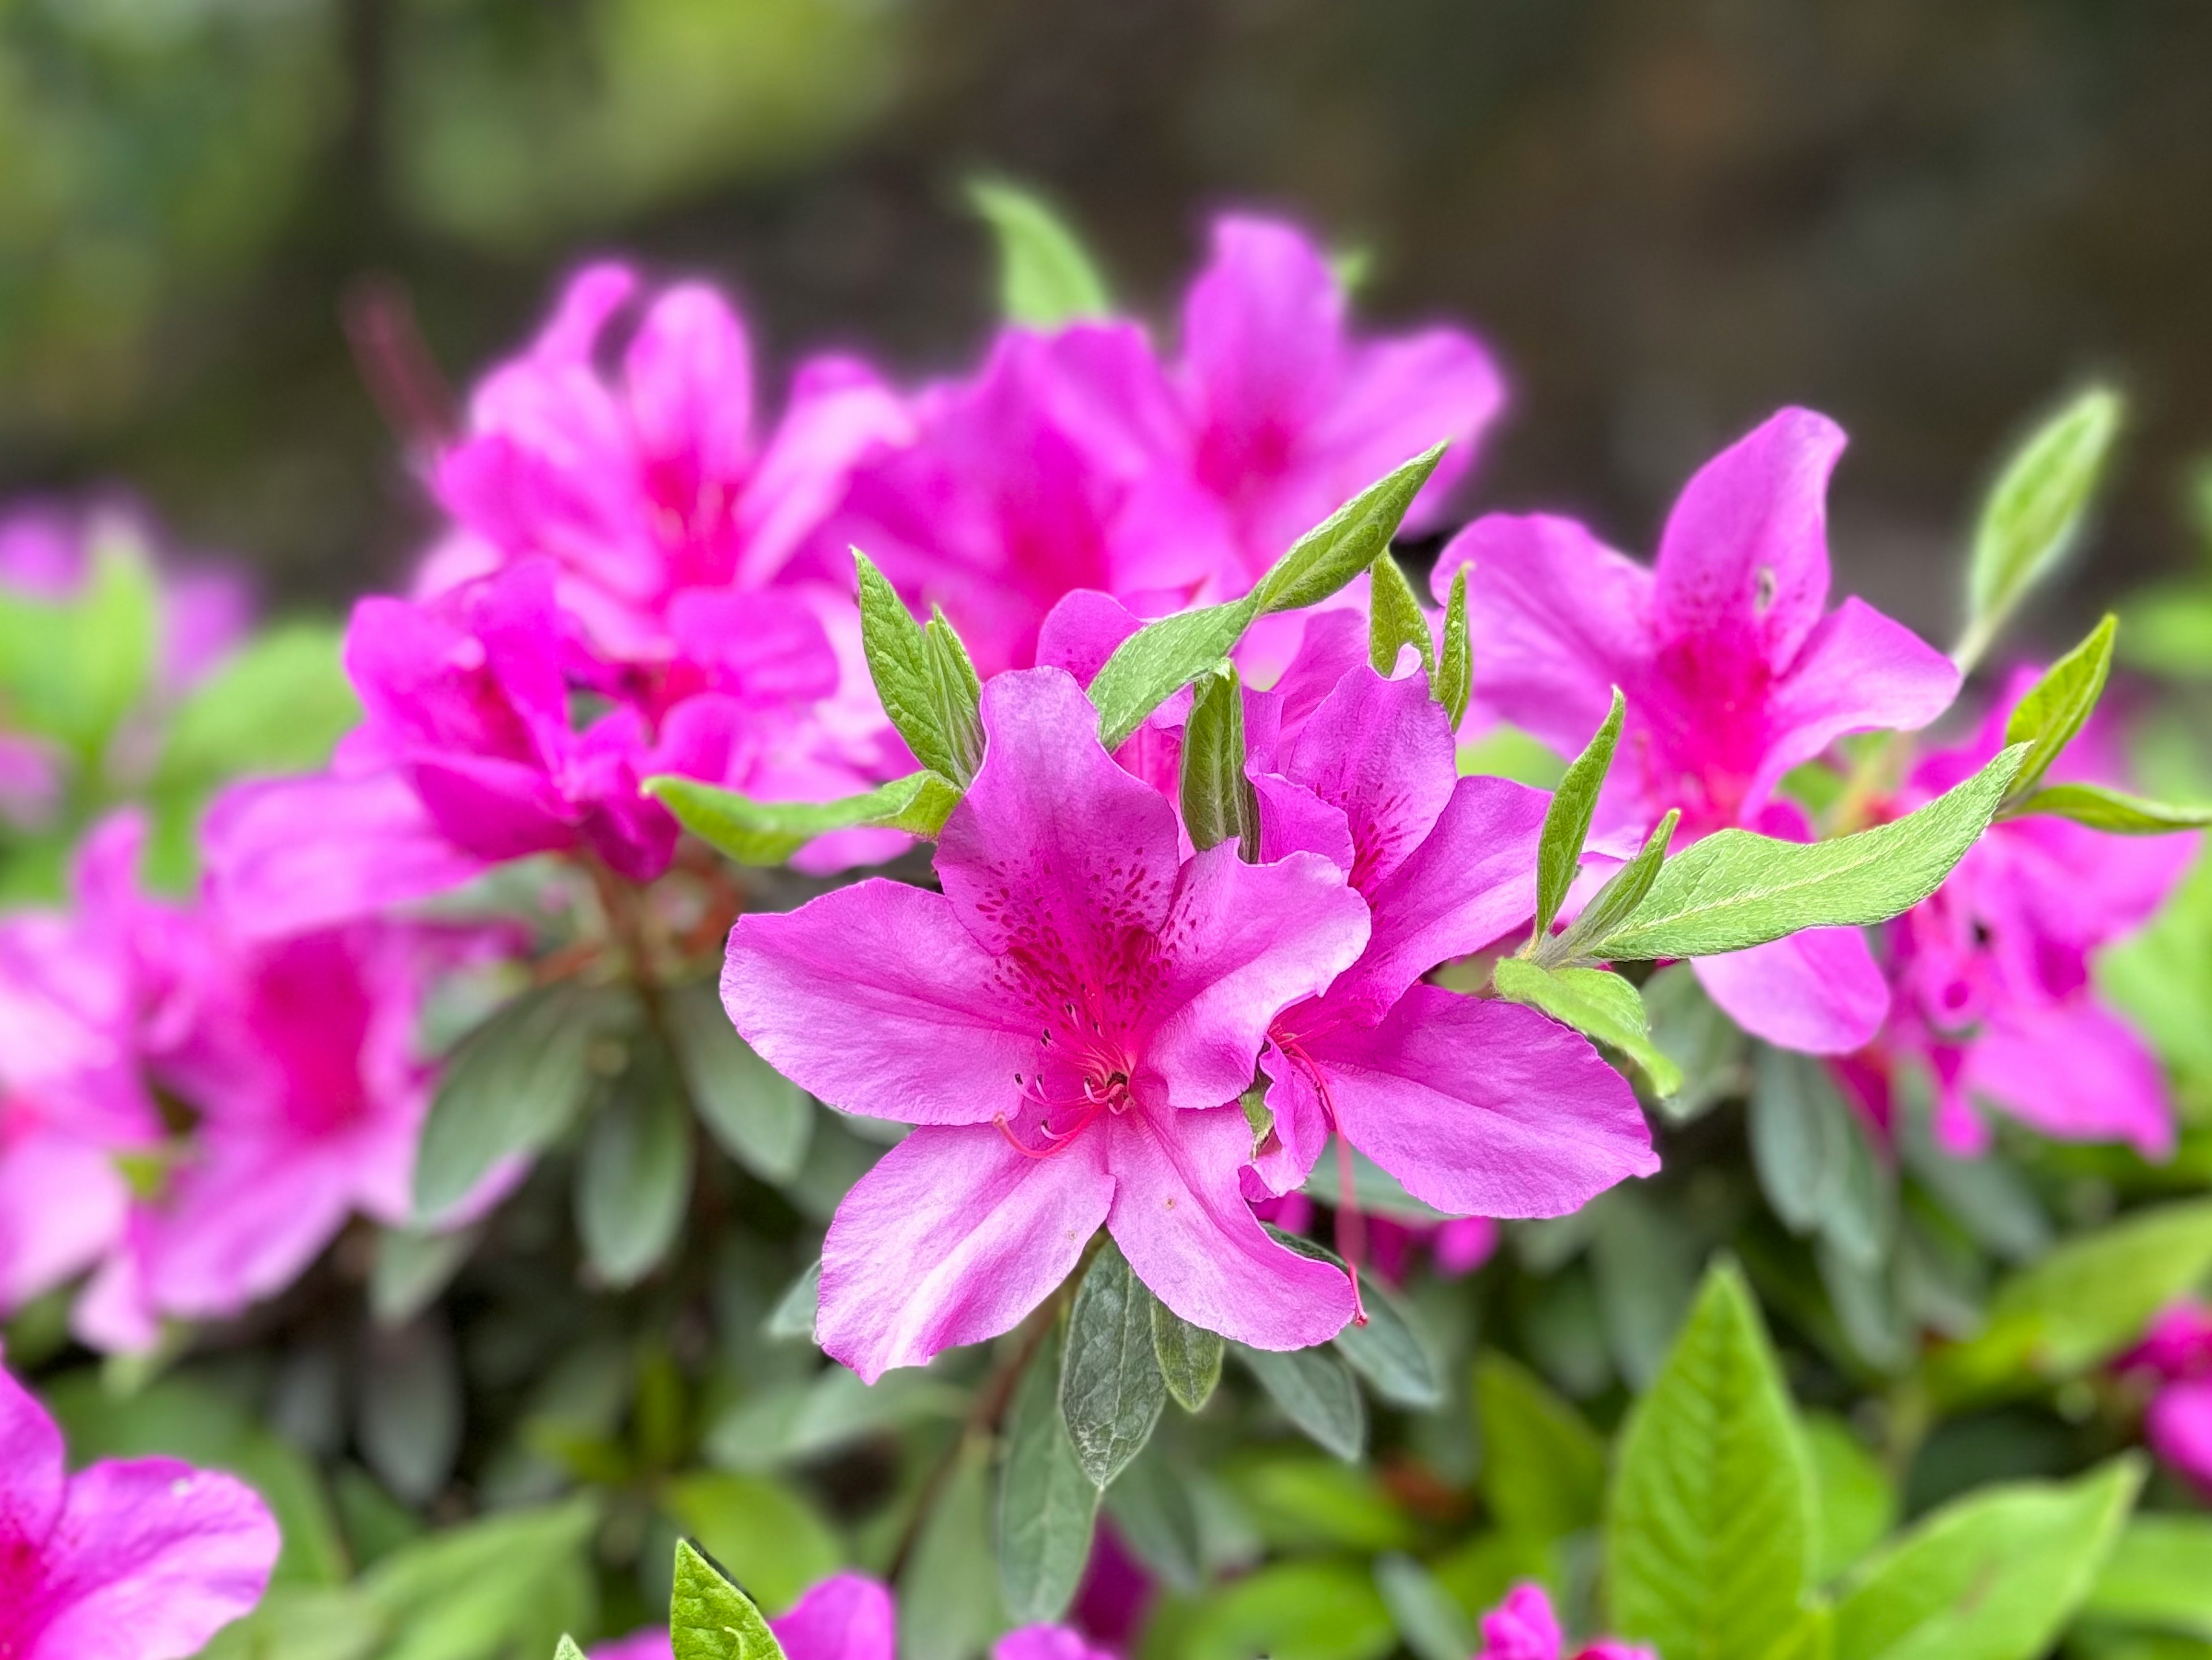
(1668, 219)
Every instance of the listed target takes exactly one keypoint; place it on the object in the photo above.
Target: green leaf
(2114, 812)
(1161, 658)
(1395, 619)
(1048, 1505)
(1596, 1002)
(2033, 512)
(1857, 1504)
(834, 1408)
(761, 1118)
(2157, 1575)
(1321, 1610)
(1611, 904)
(1346, 543)
(948, 1597)
(795, 1311)
(566, 1648)
(2046, 719)
(1316, 1390)
(2082, 1303)
(1543, 1466)
(70, 669)
(296, 1623)
(633, 1182)
(1455, 681)
(1994, 1576)
(1734, 889)
(1046, 277)
(278, 705)
(1643, 1263)
(923, 678)
(412, 1268)
(1813, 1158)
(1190, 1357)
(1691, 1030)
(1157, 1519)
(1388, 1352)
(1567, 819)
(1302, 1501)
(1433, 1625)
(769, 832)
(506, 1584)
(512, 1085)
(1709, 1542)
(1218, 802)
(766, 1534)
(710, 1619)
(1111, 1389)
(409, 1410)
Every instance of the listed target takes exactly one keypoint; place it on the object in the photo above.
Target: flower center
(1083, 1070)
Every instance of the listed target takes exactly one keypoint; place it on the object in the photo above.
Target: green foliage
(1111, 1390)
(634, 1179)
(1567, 819)
(769, 1536)
(1736, 889)
(2052, 711)
(2033, 512)
(1046, 278)
(1613, 904)
(1317, 1392)
(1454, 679)
(1218, 802)
(1993, 1576)
(948, 1598)
(761, 1118)
(1190, 1357)
(923, 676)
(1395, 619)
(1710, 1534)
(1597, 1003)
(2158, 1575)
(1348, 541)
(1048, 1503)
(769, 832)
(1857, 1503)
(1321, 1610)
(1543, 1466)
(710, 1619)
(71, 668)
(2114, 812)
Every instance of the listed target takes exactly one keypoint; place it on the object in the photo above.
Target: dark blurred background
(1667, 218)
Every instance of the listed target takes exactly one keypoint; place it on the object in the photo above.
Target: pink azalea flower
(650, 482)
(1523, 1627)
(1735, 671)
(2176, 1353)
(1070, 1024)
(1080, 459)
(299, 1057)
(849, 1616)
(1992, 974)
(143, 1559)
(1477, 1106)
(72, 1004)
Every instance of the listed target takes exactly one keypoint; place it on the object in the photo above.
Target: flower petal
(1858, 671)
(1483, 1108)
(2075, 1071)
(690, 376)
(848, 1616)
(1819, 992)
(952, 1238)
(876, 1000)
(33, 1481)
(1380, 750)
(1180, 1217)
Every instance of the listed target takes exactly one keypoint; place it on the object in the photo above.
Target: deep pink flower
(1080, 459)
(849, 1616)
(1477, 1106)
(301, 1061)
(1523, 1627)
(2176, 1354)
(1992, 974)
(647, 481)
(143, 1559)
(73, 1001)
(1735, 671)
(1070, 1024)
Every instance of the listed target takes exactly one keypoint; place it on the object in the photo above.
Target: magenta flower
(72, 1008)
(1523, 1627)
(1079, 460)
(2176, 1356)
(299, 1057)
(652, 482)
(1479, 1107)
(141, 1559)
(849, 1616)
(1735, 671)
(1992, 974)
(1070, 1025)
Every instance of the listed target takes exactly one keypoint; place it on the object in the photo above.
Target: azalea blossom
(1081, 458)
(1992, 974)
(1479, 1107)
(141, 1559)
(2176, 1356)
(1735, 670)
(1070, 1025)
(849, 1616)
(1523, 1627)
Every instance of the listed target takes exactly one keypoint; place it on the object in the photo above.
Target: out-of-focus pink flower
(299, 1058)
(1116, 1594)
(1479, 1107)
(141, 1559)
(1992, 974)
(1523, 1627)
(1070, 1024)
(849, 1616)
(1456, 1247)
(646, 480)
(1080, 459)
(2176, 1353)
(1734, 670)
(73, 1002)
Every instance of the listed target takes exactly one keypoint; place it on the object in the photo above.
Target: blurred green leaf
(1156, 1517)
(800, 1421)
(2159, 1574)
(410, 1409)
(753, 832)
(2114, 812)
(1858, 1505)
(634, 1180)
(1317, 1392)
(761, 1118)
(948, 1598)
(1300, 1501)
(1543, 1466)
(1046, 278)
(1434, 1627)
(507, 1584)
(279, 705)
(1047, 1504)
(765, 1534)
(1295, 1611)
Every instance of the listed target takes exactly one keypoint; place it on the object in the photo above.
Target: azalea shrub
(1068, 1014)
